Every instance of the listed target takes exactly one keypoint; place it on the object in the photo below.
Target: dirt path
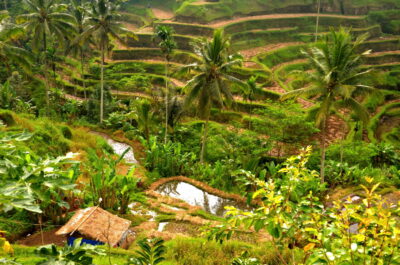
(249, 53)
(128, 93)
(384, 52)
(223, 23)
(274, 68)
(72, 97)
(131, 27)
(162, 14)
(177, 82)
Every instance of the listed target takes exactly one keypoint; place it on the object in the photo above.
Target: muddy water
(119, 148)
(194, 196)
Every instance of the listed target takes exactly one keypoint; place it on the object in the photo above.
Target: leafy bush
(354, 233)
(167, 159)
(77, 254)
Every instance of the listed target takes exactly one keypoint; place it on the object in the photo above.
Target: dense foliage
(291, 116)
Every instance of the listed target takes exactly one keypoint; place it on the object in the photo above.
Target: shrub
(66, 132)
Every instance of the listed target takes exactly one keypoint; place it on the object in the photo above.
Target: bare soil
(249, 53)
(49, 237)
(162, 14)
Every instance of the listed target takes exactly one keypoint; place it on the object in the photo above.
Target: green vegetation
(227, 132)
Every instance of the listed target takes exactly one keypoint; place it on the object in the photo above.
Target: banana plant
(110, 189)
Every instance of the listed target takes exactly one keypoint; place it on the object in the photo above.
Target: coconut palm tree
(167, 45)
(211, 85)
(336, 80)
(46, 19)
(78, 8)
(103, 24)
(9, 52)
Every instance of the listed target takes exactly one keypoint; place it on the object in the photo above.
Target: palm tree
(9, 52)
(46, 19)
(103, 24)
(336, 80)
(167, 45)
(210, 85)
(78, 9)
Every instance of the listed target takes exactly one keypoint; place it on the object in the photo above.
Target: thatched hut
(96, 226)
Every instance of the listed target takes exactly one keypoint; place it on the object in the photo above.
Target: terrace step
(223, 23)
(250, 53)
(278, 66)
(130, 54)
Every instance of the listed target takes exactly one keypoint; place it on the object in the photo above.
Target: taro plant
(35, 184)
(77, 254)
(151, 252)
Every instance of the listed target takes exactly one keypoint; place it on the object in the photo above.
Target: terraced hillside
(270, 39)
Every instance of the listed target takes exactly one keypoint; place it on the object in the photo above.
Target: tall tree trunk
(45, 67)
(251, 113)
(102, 85)
(317, 23)
(5, 5)
(205, 134)
(342, 9)
(83, 73)
(323, 149)
(166, 100)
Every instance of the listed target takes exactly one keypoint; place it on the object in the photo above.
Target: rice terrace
(200, 132)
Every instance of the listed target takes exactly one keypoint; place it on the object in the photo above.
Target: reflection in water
(161, 226)
(195, 196)
(119, 148)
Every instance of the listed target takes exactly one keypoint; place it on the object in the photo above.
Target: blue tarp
(84, 241)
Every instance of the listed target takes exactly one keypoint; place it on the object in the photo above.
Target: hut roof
(97, 224)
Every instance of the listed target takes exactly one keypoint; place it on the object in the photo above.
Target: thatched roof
(96, 224)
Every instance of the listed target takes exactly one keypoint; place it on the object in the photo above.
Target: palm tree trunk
(102, 85)
(83, 73)
(251, 114)
(205, 134)
(317, 23)
(166, 101)
(323, 149)
(45, 67)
